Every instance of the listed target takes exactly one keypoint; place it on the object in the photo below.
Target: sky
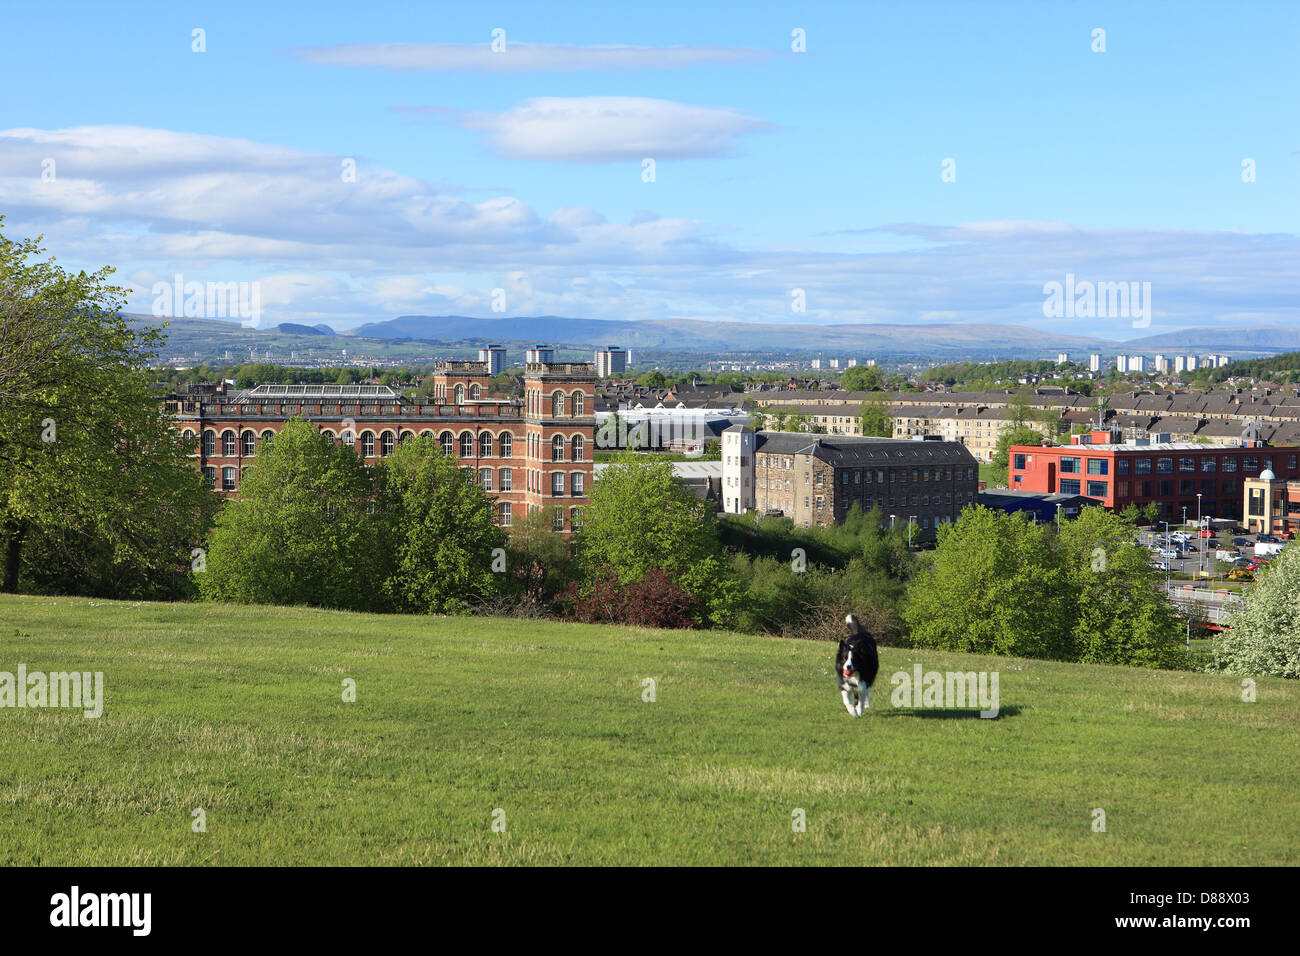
(914, 163)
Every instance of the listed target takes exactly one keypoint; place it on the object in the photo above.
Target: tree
(998, 470)
(304, 529)
(442, 527)
(538, 557)
(92, 479)
(861, 378)
(874, 417)
(653, 379)
(1265, 632)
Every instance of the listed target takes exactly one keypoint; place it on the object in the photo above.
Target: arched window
(209, 444)
(386, 444)
(506, 444)
(460, 394)
(267, 435)
(188, 435)
(485, 445)
(446, 441)
(474, 392)
(579, 404)
(249, 442)
(577, 447)
(557, 448)
(367, 445)
(402, 437)
(557, 404)
(228, 444)
(466, 445)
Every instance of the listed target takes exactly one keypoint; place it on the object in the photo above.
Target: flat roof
(1162, 446)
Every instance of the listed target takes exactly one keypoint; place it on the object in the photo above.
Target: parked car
(1190, 548)
(1266, 538)
(1268, 547)
(1241, 542)
(1169, 554)
(1222, 555)
(1243, 564)
(1161, 565)
(1205, 533)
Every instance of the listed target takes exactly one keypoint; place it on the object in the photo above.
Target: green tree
(1265, 632)
(861, 378)
(538, 557)
(442, 528)
(999, 467)
(653, 379)
(304, 529)
(92, 478)
(994, 587)
(874, 417)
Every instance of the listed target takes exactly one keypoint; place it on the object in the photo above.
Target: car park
(1169, 554)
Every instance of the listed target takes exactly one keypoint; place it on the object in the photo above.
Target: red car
(1205, 533)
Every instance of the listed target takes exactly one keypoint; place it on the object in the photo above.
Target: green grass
(239, 711)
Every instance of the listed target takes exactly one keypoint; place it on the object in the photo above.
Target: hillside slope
(239, 711)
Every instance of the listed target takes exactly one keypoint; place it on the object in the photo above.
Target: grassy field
(239, 711)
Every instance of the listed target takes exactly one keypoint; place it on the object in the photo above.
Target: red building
(1173, 475)
(534, 453)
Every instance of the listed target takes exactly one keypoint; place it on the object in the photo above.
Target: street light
(891, 522)
(1200, 555)
(1058, 517)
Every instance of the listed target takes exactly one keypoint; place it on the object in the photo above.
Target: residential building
(1094, 362)
(495, 357)
(816, 479)
(539, 353)
(610, 361)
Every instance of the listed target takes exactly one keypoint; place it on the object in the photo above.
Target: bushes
(656, 600)
(1265, 634)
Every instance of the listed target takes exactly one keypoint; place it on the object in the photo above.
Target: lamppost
(910, 519)
(1165, 557)
(1185, 514)
(1058, 517)
(891, 522)
(1200, 555)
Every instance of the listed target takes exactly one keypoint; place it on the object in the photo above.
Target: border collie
(856, 664)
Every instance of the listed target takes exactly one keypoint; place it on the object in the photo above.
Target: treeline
(1283, 369)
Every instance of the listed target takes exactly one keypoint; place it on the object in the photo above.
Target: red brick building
(1171, 474)
(534, 453)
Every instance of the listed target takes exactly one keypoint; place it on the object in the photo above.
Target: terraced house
(534, 453)
(816, 479)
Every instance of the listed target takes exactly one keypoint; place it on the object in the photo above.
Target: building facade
(530, 454)
(1172, 475)
(817, 479)
(611, 360)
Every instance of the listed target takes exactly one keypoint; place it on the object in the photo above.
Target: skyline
(775, 171)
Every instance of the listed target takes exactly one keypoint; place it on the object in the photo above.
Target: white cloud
(603, 129)
(522, 57)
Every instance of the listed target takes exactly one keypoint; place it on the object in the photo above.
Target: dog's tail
(851, 623)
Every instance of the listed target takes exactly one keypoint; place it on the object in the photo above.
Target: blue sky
(775, 170)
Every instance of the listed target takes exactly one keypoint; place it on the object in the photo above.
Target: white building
(835, 363)
(1121, 363)
(1221, 360)
(1191, 363)
(1162, 364)
(1137, 363)
(1094, 362)
(539, 353)
(1062, 358)
(816, 363)
(611, 360)
(495, 356)
(738, 470)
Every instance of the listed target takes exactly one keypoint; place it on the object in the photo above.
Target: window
(1070, 466)
(367, 445)
(446, 441)
(1069, 486)
(466, 445)
(1121, 466)
(557, 483)
(485, 478)
(1207, 486)
(557, 448)
(505, 444)
(579, 403)
(557, 404)
(228, 444)
(1098, 466)
(209, 444)
(1187, 464)
(577, 447)
(507, 477)
(503, 512)
(575, 484)
(1251, 463)
(1098, 489)
(248, 443)
(1142, 466)
(1208, 465)
(485, 445)
(1164, 466)
(575, 518)
(228, 478)
(1020, 462)
(459, 394)
(386, 444)
(1290, 462)
(1230, 463)
(557, 519)
(475, 392)
(210, 473)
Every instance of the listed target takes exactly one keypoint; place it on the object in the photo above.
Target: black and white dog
(856, 664)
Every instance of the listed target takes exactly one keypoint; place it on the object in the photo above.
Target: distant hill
(292, 328)
(1258, 339)
(938, 340)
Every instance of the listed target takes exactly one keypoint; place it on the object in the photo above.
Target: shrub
(654, 601)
